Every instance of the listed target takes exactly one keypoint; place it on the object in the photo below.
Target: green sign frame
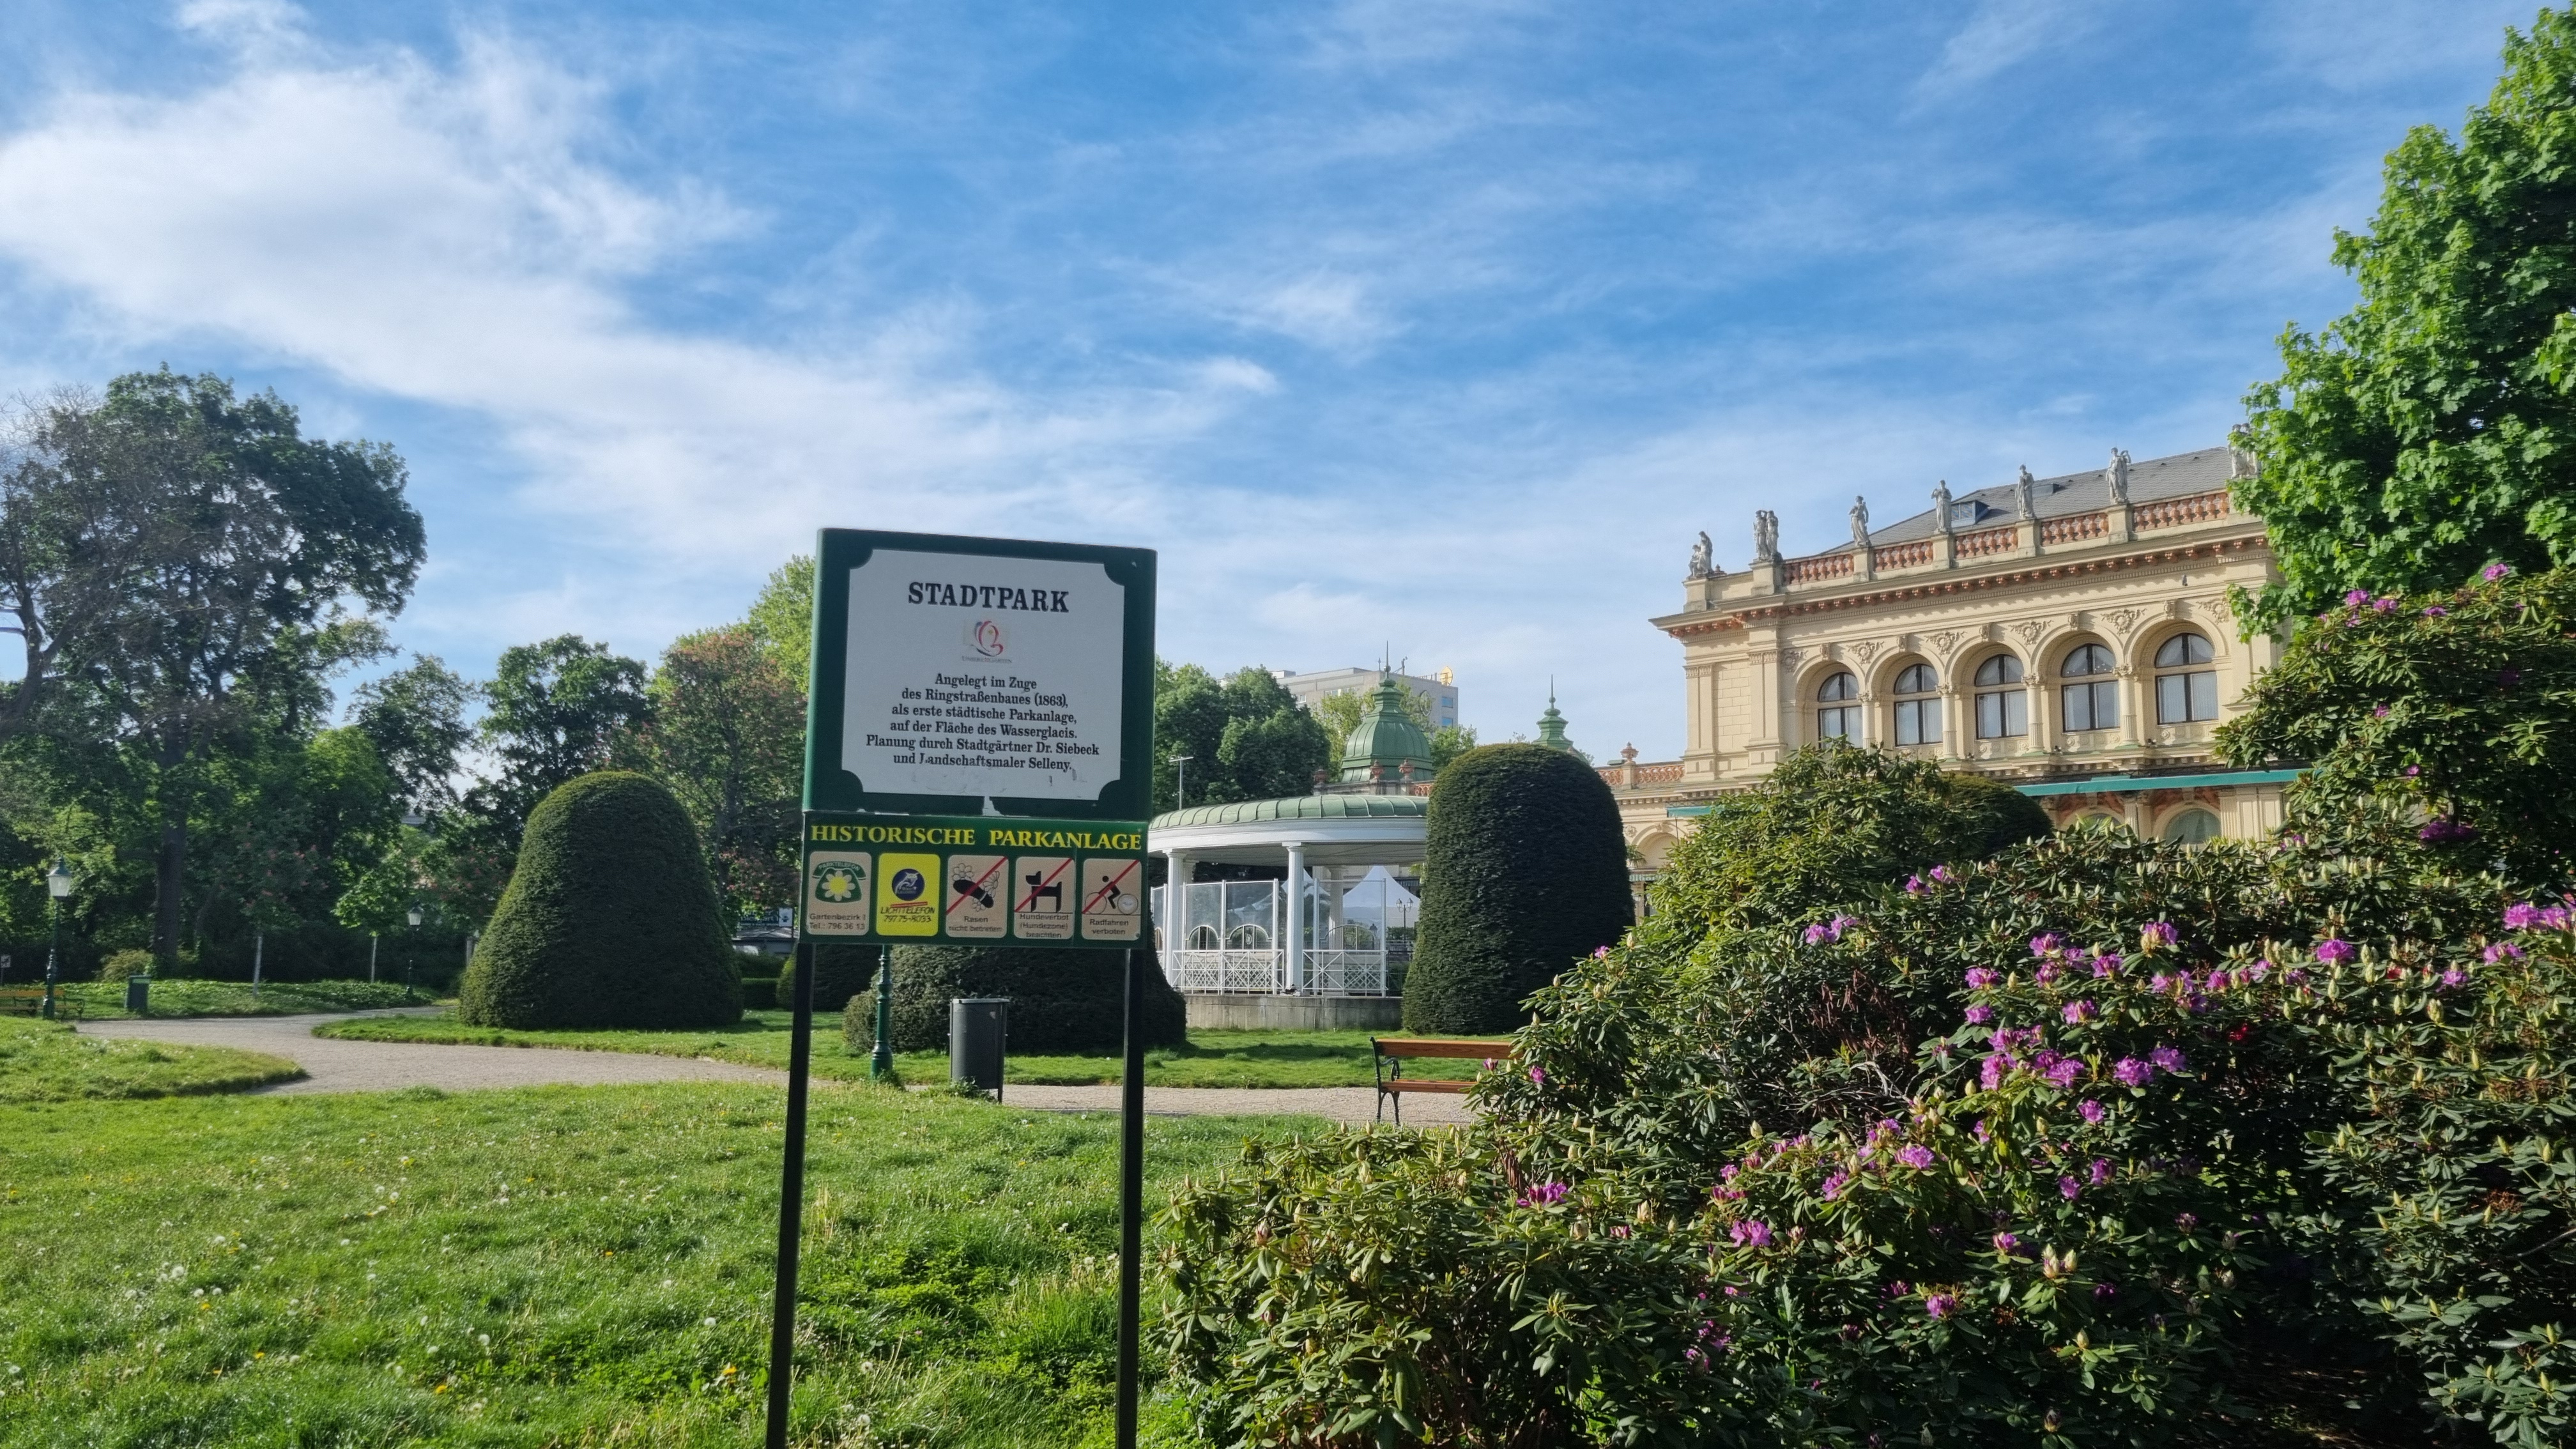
(906, 857)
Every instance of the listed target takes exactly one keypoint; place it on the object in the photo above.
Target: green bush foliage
(1830, 827)
(1525, 870)
(2461, 705)
(119, 965)
(2079, 1145)
(840, 972)
(609, 920)
(1062, 1001)
(2425, 432)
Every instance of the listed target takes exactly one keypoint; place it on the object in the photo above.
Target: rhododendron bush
(2099, 1141)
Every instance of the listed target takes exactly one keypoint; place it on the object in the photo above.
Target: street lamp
(1181, 780)
(58, 885)
(412, 960)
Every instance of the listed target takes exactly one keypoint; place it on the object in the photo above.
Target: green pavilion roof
(1296, 807)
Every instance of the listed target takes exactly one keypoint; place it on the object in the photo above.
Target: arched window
(2184, 690)
(1918, 708)
(2003, 707)
(2192, 827)
(1839, 719)
(2092, 698)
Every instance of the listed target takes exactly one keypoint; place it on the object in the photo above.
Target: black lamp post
(412, 960)
(1181, 781)
(58, 885)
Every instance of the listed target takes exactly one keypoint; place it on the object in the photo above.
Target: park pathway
(335, 1065)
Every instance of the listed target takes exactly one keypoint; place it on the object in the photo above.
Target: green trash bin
(138, 995)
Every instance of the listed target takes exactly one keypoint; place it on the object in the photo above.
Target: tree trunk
(169, 876)
(170, 866)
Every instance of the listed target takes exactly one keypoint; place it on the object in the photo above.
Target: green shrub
(840, 972)
(1524, 871)
(119, 965)
(1840, 1179)
(2460, 705)
(1062, 1001)
(608, 921)
(1830, 827)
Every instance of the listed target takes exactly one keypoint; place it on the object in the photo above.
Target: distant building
(1439, 692)
(2070, 636)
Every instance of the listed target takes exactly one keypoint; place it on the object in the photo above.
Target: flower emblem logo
(836, 883)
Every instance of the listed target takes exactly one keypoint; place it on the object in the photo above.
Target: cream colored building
(2068, 634)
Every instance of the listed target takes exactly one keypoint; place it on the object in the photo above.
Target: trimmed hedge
(1062, 1001)
(609, 919)
(840, 972)
(1525, 870)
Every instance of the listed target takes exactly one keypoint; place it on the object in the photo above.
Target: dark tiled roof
(2175, 477)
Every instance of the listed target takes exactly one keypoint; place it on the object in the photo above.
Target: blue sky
(1439, 323)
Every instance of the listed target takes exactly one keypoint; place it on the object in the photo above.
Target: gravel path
(334, 1065)
(382, 1066)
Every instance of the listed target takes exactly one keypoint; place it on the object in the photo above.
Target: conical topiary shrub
(1061, 1000)
(1524, 869)
(609, 920)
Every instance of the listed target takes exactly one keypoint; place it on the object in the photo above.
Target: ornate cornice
(1787, 606)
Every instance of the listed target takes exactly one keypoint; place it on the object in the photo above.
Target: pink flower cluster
(2333, 949)
(2525, 915)
(2496, 572)
(1750, 1233)
(2157, 933)
(2132, 1072)
(1823, 931)
(1546, 1194)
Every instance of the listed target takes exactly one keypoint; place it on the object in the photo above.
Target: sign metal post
(978, 772)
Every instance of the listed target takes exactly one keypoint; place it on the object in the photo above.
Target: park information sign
(979, 742)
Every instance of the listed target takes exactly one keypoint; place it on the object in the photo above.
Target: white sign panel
(972, 675)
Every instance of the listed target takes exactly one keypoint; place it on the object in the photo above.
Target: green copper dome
(1386, 741)
(1551, 727)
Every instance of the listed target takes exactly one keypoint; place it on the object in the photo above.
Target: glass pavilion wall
(1231, 936)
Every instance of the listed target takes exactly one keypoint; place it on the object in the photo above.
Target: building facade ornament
(1946, 641)
(2124, 619)
(2030, 630)
(1867, 651)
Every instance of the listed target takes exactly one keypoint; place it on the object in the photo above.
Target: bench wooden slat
(1422, 1084)
(1396, 1046)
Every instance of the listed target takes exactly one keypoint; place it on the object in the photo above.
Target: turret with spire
(1551, 725)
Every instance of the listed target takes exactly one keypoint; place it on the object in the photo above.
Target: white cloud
(444, 236)
(2001, 34)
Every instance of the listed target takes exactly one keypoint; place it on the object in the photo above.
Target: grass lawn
(105, 1000)
(43, 1061)
(1212, 1059)
(562, 1266)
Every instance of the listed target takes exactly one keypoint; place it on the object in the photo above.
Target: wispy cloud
(2000, 34)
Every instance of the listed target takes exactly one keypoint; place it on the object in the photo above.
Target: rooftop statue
(1941, 505)
(1766, 536)
(2117, 474)
(2023, 508)
(1702, 554)
(1860, 521)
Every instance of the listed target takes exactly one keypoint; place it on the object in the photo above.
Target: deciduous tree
(2432, 429)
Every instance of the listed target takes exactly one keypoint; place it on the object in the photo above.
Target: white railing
(1265, 972)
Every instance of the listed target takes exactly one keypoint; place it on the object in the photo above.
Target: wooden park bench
(30, 1001)
(1392, 1052)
